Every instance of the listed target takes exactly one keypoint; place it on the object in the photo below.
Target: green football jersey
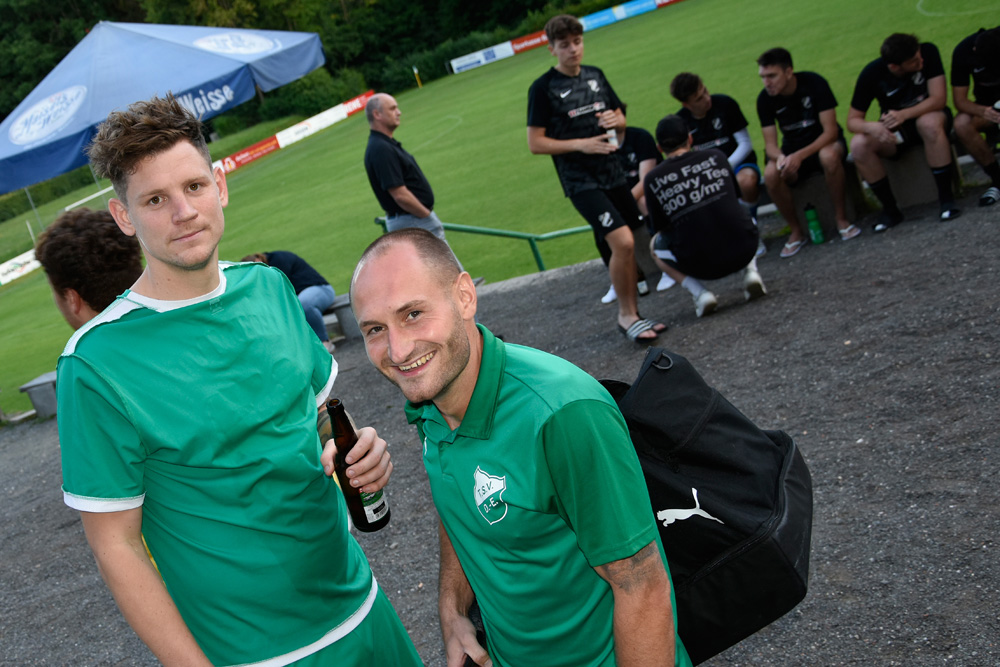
(203, 413)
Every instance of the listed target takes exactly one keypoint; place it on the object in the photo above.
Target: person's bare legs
(621, 270)
(969, 130)
(781, 195)
(831, 158)
(749, 185)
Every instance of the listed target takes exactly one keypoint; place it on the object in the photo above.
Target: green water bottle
(812, 221)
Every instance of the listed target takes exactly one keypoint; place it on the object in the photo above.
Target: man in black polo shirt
(803, 106)
(978, 56)
(908, 82)
(399, 185)
(703, 232)
(574, 115)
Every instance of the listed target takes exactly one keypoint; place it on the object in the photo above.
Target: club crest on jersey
(717, 123)
(807, 102)
(489, 496)
(594, 86)
(918, 78)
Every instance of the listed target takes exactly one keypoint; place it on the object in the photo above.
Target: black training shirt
(966, 64)
(797, 114)
(639, 146)
(693, 199)
(566, 107)
(718, 127)
(896, 92)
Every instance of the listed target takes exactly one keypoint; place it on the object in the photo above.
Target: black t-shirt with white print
(718, 127)
(877, 82)
(797, 114)
(566, 107)
(985, 75)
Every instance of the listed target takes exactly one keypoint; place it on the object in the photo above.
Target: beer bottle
(369, 511)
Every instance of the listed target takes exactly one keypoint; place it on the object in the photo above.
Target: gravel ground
(879, 356)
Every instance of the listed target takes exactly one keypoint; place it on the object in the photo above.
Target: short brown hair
(84, 250)
(899, 47)
(777, 56)
(433, 252)
(561, 27)
(684, 86)
(145, 129)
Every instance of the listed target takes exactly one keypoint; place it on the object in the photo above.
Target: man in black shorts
(908, 82)
(978, 56)
(573, 115)
(803, 106)
(703, 232)
(637, 153)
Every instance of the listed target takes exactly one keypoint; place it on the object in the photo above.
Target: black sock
(884, 193)
(942, 179)
(993, 171)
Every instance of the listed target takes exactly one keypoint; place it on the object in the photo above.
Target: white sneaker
(705, 303)
(761, 248)
(666, 282)
(611, 296)
(753, 286)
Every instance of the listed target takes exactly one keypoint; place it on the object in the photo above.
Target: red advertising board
(532, 41)
(358, 103)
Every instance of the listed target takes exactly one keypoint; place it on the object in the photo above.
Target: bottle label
(375, 505)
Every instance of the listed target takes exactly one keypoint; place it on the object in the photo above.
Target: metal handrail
(532, 239)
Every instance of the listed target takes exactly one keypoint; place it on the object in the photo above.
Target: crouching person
(702, 230)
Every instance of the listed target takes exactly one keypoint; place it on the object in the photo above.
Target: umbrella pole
(97, 182)
(32, 202)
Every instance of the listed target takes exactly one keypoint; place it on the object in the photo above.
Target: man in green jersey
(545, 518)
(188, 426)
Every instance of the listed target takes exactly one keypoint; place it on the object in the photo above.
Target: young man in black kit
(571, 110)
(716, 121)
(978, 57)
(637, 153)
(803, 106)
(908, 82)
(703, 232)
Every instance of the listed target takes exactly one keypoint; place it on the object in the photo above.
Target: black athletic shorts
(811, 165)
(911, 136)
(607, 210)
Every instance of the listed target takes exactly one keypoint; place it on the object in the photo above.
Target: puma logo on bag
(669, 516)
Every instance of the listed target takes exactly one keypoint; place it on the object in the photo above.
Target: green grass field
(467, 132)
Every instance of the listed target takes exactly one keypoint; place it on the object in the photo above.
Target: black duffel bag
(733, 503)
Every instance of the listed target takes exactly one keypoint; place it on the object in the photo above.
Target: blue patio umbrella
(210, 70)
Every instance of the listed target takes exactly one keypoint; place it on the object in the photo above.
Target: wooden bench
(42, 392)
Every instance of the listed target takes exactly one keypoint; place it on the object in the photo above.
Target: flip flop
(637, 329)
(849, 232)
(658, 327)
(791, 248)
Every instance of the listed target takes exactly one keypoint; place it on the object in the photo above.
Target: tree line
(368, 43)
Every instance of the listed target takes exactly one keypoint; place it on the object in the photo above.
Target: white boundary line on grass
(969, 12)
(457, 121)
